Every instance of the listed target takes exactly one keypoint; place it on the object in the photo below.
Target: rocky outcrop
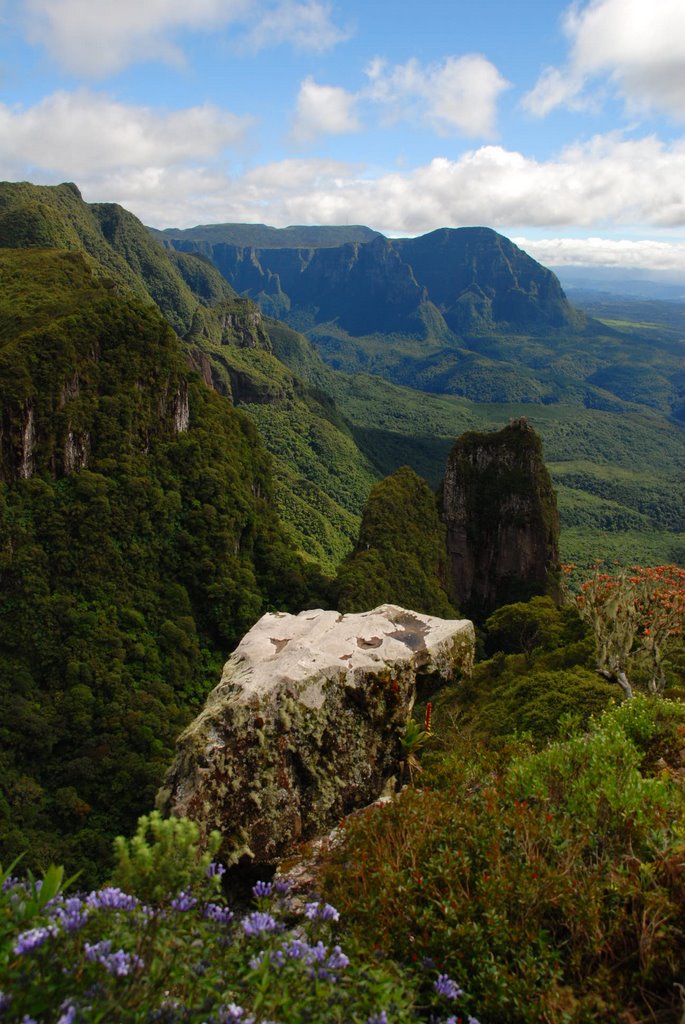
(502, 520)
(304, 726)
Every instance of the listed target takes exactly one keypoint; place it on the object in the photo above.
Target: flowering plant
(110, 955)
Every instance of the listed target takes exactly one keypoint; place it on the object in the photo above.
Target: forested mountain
(263, 236)
(139, 539)
(605, 397)
(605, 391)
(321, 477)
(450, 280)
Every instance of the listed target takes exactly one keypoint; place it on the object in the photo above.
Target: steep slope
(322, 478)
(138, 541)
(463, 279)
(400, 556)
(502, 520)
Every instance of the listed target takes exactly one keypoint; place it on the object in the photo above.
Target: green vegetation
(168, 947)
(400, 556)
(546, 882)
(124, 585)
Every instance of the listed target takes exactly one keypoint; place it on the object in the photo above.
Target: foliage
(637, 618)
(107, 956)
(123, 585)
(162, 857)
(550, 882)
(400, 557)
(526, 626)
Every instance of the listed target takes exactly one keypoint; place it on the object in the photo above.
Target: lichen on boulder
(304, 726)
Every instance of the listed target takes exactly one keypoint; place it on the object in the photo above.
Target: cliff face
(469, 279)
(67, 359)
(502, 520)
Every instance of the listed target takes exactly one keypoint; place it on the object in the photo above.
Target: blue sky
(561, 125)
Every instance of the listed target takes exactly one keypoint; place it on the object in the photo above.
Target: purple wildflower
(281, 885)
(444, 986)
(71, 915)
(233, 1012)
(68, 1015)
(296, 949)
(98, 949)
(10, 883)
(258, 922)
(326, 912)
(111, 899)
(262, 889)
(28, 1020)
(318, 952)
(215, 870)
(215, 912)
(5, 1000)
(256, 962)
(119, 963)
(183, 902)
(378, 1018)
(337, 960)
(32, 939)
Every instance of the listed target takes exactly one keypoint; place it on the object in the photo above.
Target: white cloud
(171, 169)
(99, 37)
(323, 110)
(306, 25)
(81, 133)
(460, 93)
(638, 44)
(606, 252)
(607, 183)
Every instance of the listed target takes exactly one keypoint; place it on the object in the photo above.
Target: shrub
(552, 884)
(107, 955)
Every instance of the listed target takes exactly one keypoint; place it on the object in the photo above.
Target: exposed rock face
(465, 279)
(502, 520)
(304, 726)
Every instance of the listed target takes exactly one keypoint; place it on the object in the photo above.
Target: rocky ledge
(305, 725)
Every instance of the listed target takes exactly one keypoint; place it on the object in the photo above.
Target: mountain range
(174, 461)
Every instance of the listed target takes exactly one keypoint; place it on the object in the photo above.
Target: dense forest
(174, 463)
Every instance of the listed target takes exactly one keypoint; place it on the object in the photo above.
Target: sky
(560, 125)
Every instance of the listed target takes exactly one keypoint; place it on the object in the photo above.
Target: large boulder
(305, 724)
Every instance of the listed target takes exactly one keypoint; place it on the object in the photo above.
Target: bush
(551, 882)
(107, 955)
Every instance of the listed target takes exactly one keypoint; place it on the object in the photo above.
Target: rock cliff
(304, 726)
(462, 280)
(502, 520)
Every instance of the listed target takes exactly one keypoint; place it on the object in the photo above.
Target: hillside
(138, 541)
(606, 397)
(321, 476)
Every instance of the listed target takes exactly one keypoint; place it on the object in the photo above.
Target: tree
(637, 617)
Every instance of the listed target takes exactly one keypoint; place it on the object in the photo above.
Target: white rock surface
(304, 726)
